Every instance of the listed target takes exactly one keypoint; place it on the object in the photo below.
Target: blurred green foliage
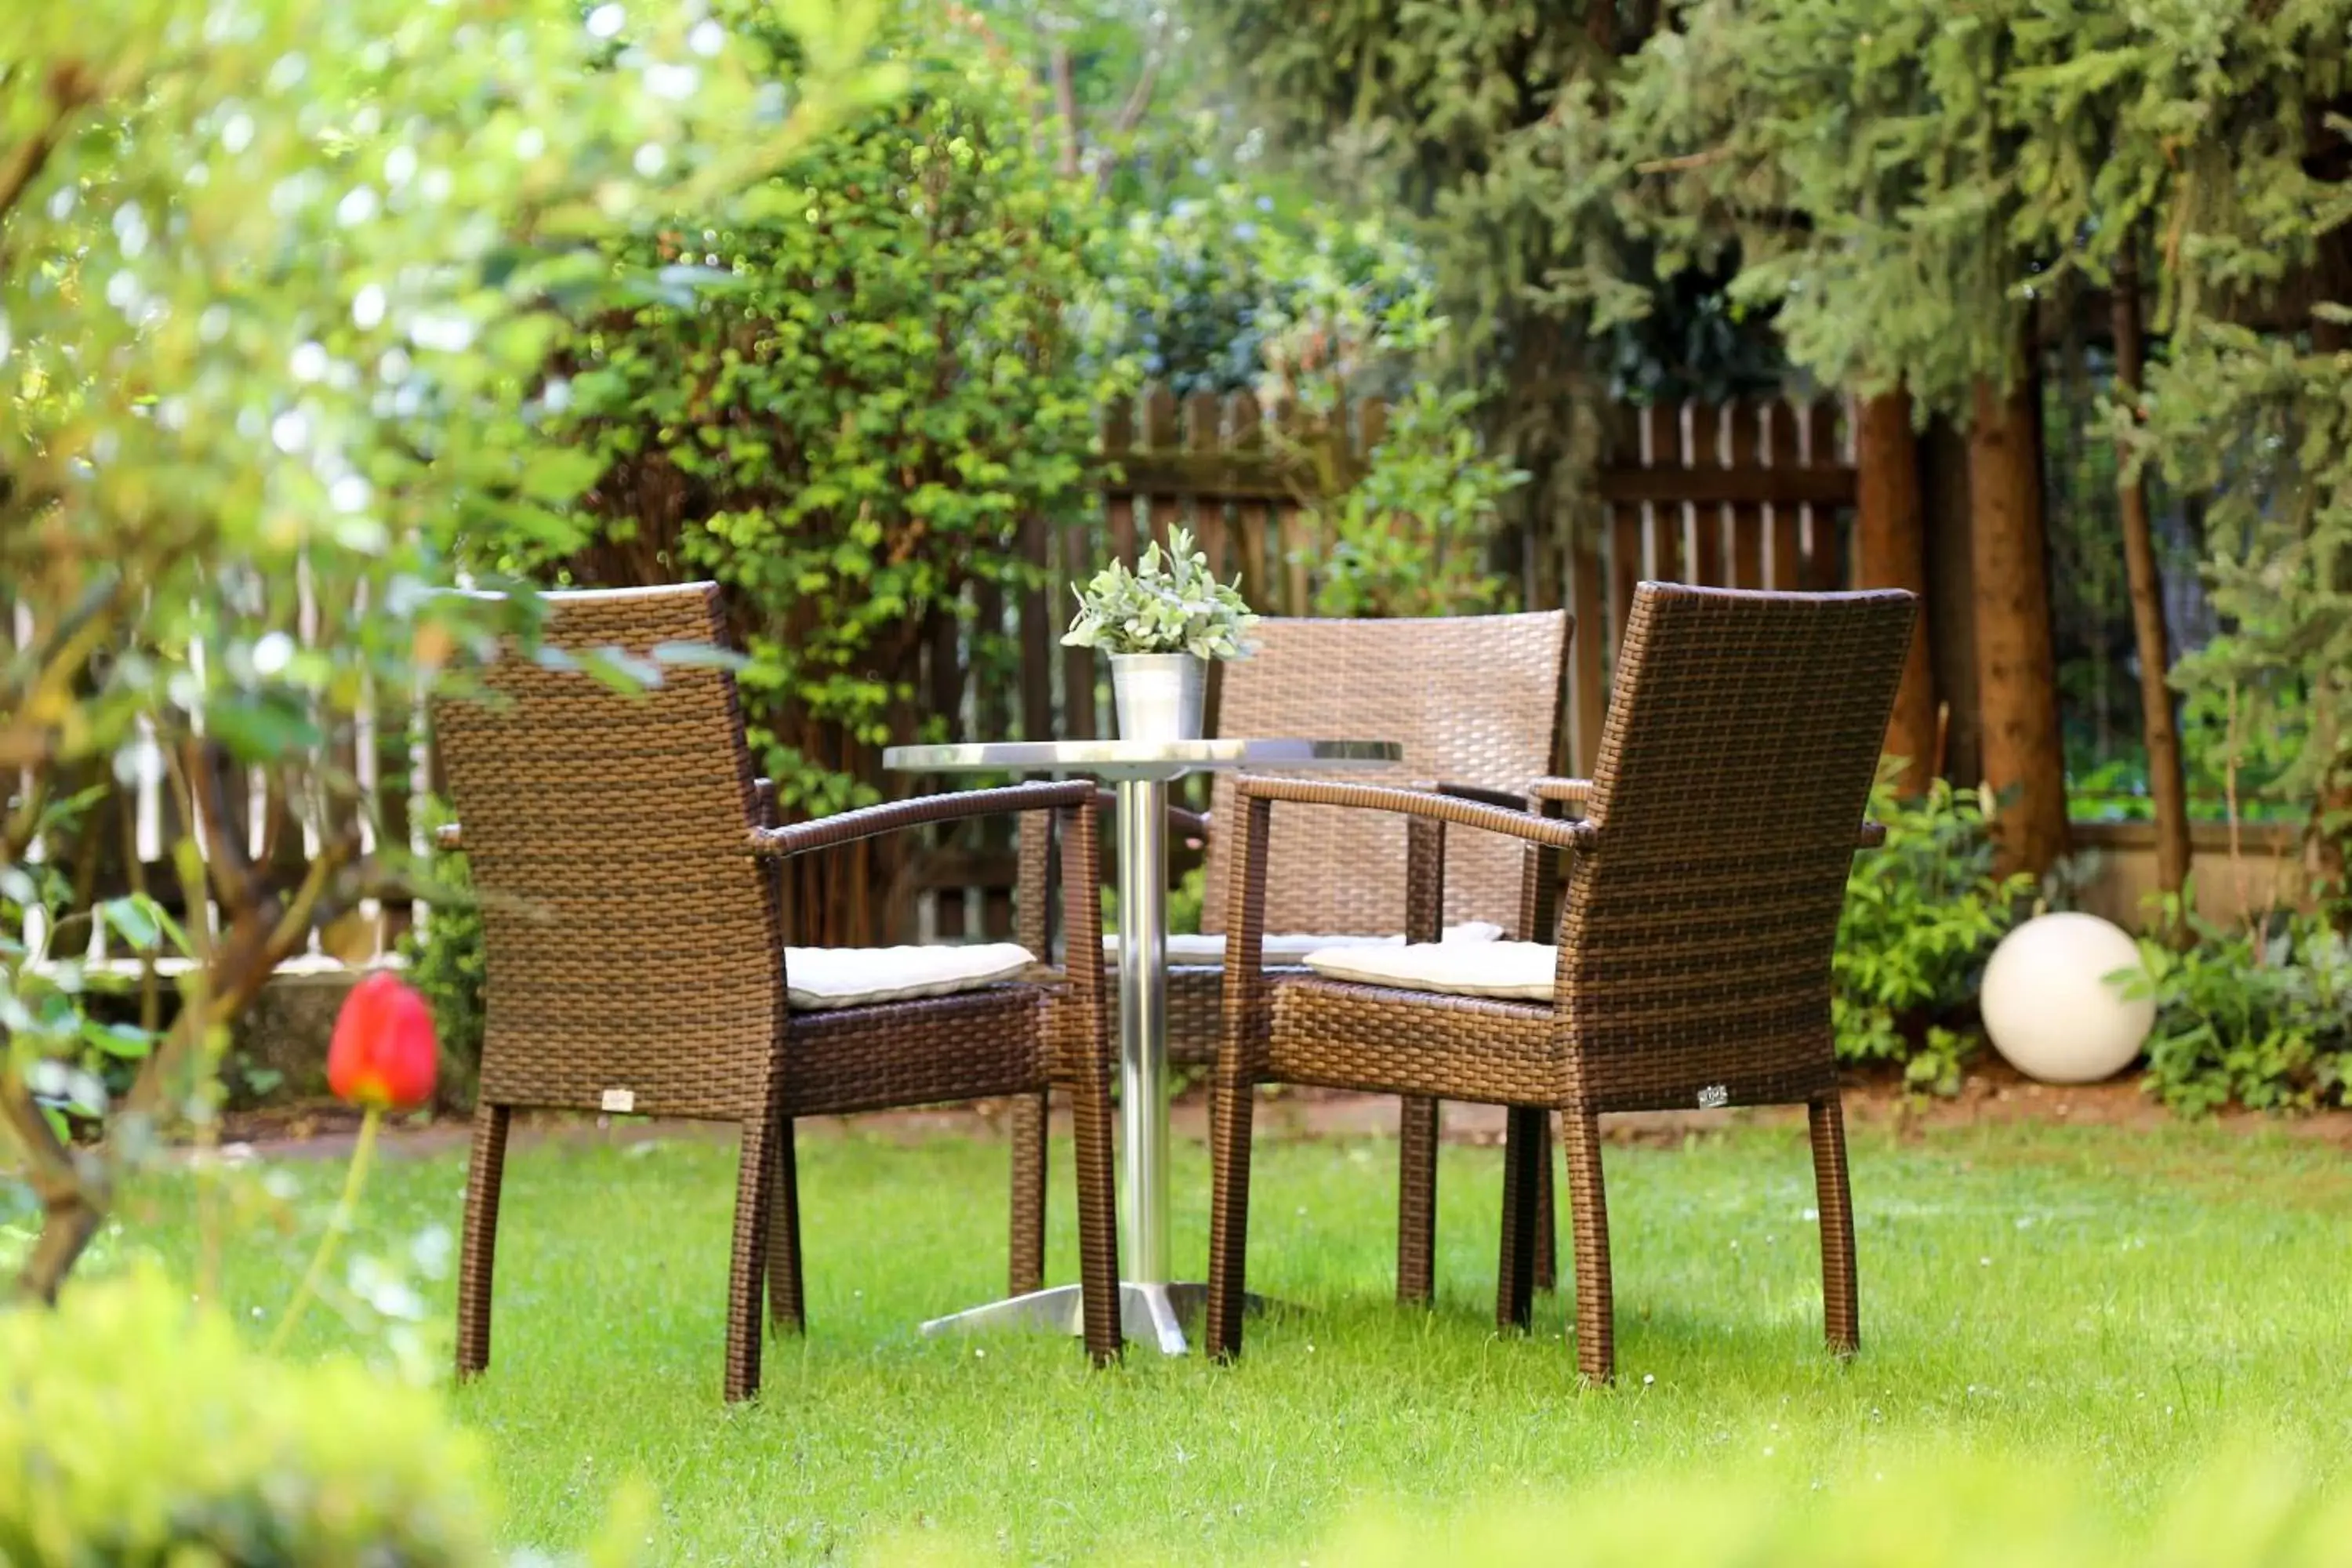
(1948, 1510)
(276, 284)
(1922, 914)
(199, 1451)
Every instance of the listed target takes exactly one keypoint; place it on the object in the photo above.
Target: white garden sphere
(2049, 1006)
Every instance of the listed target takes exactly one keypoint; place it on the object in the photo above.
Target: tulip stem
(346, 1210)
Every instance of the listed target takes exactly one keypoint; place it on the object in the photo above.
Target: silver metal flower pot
(1160, 695)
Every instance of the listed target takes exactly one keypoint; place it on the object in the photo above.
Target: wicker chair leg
(1097, 1192)
(1588, 1207)
(1027, 1268)
(1840, 1288)
(755, 1178)
(477, 1260)
(787, 1305)
(1547, 1212)
(1416, 1201)
(1229, 1156)
(1525, 1151)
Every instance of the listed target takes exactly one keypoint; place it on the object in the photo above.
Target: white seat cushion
(822, 977)
(1522, 970)
(1290, 948)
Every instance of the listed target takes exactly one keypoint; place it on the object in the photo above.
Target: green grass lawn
(2121, 1303)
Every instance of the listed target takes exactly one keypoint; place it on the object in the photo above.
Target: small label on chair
(1713, 1097)
(625, 1100)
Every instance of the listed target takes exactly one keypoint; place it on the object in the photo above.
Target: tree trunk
(1951, 600)
(2017, 676)
(2331, 807)
(2167, 782)
(1891, 551)
(2331, 831)
(1065, 104)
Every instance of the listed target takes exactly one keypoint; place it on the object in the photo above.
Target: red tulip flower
(382, 1055)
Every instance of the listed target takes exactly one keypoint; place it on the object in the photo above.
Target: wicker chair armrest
(449, 836)
(868, 822)
(1500, 799)
(1421, 803)
(1574, 794)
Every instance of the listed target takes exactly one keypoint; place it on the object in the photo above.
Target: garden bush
(880, 378)
(1922, 914)
(1316, 314)
(1203, 283)
(1410, 536)
(2258, 1016)
(137, 1429)
(872, 384)
(1407, 509)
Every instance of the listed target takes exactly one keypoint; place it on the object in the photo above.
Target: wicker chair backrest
(1473, 700)
(632, 943)
(1736, 765)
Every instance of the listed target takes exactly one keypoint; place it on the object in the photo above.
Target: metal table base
(1150, 1305)
(1148, 1314)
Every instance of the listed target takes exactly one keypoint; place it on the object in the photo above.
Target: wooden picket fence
(1747, 494)
(1739, 495)
(123, 842)
(1752, 494)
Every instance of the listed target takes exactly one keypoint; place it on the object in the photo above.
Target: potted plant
(1161, 624)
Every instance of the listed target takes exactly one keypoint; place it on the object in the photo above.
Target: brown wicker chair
(1476, 701)
(1692, 965)
(632, 923)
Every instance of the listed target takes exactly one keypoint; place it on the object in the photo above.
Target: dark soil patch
(1993, 1094)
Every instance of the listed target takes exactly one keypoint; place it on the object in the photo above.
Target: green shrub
(1922, 914)
(1203, 286)
(881, 377)
(2259, 1016)
(1409, 537)
(136, 1429)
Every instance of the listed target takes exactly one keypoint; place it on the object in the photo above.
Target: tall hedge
(850, 426)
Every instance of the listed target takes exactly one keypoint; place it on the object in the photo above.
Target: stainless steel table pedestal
(1150, 1304)
(1148, 1314)
(1143, 1060)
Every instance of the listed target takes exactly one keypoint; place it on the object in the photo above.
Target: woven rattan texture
(1735, 765)
(1694, 938)
(629, 940)
(1473, 700)
(630, 899)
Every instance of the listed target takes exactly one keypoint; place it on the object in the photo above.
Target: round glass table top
(1138, 759)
